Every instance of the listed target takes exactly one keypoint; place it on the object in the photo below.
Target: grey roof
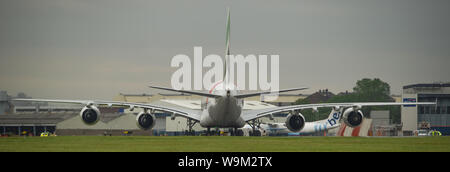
(427, 85)
(45, 118)
(174, 94)
(36, 118)
(143, 94)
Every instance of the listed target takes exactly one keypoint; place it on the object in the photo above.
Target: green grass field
(222, 144)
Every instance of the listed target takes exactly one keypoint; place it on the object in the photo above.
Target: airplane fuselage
(222, 112)
(310, 128)
(331, 122)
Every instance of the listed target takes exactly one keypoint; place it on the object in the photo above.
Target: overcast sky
(95, 49)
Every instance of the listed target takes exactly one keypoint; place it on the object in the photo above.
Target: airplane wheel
(239, 133)
(257, 133)
(208, 132)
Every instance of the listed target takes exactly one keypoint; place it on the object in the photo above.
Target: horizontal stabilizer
(187, 92)
(268, 92)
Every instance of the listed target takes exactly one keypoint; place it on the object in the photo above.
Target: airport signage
(409, 100)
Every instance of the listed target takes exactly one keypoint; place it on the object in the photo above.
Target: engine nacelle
(145, 120)
(90, 115)
(295, 122)
(352, 118)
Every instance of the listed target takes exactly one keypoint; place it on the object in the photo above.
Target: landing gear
(255, 133)
(236, 132)
(190, 124)
(212, 133)
(232, 131)
(239, 132)
(255, 128)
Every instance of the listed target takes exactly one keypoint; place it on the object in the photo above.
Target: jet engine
(352, 117)
(145, 120)
(90, 115)
(295, 122)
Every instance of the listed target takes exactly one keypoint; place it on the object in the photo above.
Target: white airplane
(332, 122)
(223, 107)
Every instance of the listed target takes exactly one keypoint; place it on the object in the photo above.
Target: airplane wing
(184, 112)
(254, 114)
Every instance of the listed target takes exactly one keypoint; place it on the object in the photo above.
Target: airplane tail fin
(226, 72)
(334, 117)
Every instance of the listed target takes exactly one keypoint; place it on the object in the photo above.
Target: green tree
(345, 98)
(375, 90)
(310, 115)
(372, 90)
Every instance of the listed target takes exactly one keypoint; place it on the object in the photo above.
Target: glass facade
(437, 115)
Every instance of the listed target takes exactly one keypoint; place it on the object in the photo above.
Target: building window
(438, 110)
(427, 110)
(421, 109)
(448, 109)
(433, 110)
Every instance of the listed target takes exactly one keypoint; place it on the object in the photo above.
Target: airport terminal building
(434, 117)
